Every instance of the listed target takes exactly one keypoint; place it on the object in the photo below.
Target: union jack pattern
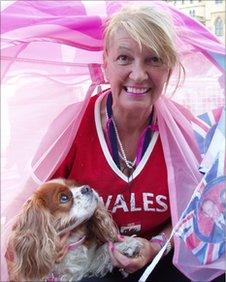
(203, 221)
(204, 127)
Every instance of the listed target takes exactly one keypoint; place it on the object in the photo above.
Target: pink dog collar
(75, 245)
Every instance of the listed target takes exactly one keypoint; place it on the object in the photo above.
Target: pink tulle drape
(51, 52)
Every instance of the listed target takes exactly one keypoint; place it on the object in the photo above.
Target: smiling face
(136, 75)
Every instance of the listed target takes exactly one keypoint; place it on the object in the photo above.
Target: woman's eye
(155, 61)
(123, 59)
(64, 198)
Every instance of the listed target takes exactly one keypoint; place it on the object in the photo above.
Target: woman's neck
(126, 132)
(131, 121)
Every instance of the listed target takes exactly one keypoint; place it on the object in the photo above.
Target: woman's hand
(130, 265)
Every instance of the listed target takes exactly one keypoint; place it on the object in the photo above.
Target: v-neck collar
(107, 153)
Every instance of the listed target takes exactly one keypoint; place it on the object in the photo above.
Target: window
(218, 24)
(218, 1)
(192, 13)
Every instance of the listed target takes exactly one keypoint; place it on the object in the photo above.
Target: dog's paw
(130, 247)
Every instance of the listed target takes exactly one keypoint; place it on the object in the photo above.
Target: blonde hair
(149, 27)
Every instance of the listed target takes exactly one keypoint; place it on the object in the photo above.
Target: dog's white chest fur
(76, 264)
(92, 261)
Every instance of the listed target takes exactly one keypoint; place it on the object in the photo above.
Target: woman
(118, 150)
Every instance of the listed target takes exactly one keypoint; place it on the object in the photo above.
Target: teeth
(136, 90)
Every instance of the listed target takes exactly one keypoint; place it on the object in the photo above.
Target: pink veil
(51, 60)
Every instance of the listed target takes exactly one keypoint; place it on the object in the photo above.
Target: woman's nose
(138, 72)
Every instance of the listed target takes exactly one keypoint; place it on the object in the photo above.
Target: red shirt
(139, 205)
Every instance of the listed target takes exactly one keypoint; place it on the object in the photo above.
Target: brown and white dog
(57, 207)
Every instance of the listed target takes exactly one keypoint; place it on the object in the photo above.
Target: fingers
(111, 249)
(122, 260)
(117, 258)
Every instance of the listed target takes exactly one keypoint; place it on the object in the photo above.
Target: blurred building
(211, 13)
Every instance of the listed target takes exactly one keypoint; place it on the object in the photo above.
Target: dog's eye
(64, 198)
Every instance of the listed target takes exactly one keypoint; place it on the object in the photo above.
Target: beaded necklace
(114, 139)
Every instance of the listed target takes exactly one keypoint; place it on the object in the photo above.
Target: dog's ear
(34, 242)
(101, 225)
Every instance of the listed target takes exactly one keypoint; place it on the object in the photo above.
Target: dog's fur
(57, 207)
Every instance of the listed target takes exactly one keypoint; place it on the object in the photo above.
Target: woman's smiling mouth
(136, 91)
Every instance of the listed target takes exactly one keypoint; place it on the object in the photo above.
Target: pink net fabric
(183, 158)
(51, 53)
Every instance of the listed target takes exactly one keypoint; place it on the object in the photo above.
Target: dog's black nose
(86, 190)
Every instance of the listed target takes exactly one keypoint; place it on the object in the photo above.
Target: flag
(202, 226)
